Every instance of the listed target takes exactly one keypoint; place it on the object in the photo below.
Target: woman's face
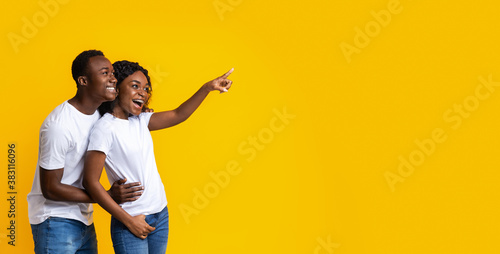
(132, 95)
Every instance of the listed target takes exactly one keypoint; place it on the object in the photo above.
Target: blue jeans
(61, 235)
(156, 242)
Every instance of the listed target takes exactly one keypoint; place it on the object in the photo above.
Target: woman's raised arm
(170, 118)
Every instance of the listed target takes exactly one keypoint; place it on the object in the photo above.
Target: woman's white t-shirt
(129, 154)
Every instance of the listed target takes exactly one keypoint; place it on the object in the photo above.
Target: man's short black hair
(81, 62)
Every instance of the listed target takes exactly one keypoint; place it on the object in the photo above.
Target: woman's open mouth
(138, 103)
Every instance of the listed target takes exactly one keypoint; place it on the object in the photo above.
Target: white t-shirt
(62, 144)
(129, 154)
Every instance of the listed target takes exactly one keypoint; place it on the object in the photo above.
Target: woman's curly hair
(123, 69)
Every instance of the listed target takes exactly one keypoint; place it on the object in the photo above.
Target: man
(59, 208)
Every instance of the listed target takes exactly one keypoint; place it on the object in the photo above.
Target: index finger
(121, 181)
(130, 185)
(227, 73)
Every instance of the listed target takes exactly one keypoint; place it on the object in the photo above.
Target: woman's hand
(139, 227)
(221, 83)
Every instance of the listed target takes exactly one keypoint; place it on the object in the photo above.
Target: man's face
(101, 82)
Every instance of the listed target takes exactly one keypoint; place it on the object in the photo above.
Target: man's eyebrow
(104, 68)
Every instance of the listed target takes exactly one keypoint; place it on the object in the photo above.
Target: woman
(121, 141)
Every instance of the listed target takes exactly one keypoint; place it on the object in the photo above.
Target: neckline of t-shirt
(117, 119)
(73, 108)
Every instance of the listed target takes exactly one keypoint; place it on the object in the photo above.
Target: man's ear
(82, 81)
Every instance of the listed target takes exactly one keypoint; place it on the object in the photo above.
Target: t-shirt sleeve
(145, 117)
(101, 138)
(54, 145)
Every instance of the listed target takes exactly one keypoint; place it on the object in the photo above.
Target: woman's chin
(136, 113)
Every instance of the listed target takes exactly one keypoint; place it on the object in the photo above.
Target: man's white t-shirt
(62, 144)
(128, 146)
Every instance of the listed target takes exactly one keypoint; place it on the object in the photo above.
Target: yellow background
(320, 179)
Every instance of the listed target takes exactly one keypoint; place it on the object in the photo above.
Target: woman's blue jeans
(156, 242)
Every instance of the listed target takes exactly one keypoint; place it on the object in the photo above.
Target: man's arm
(53, 189)
(170, 118)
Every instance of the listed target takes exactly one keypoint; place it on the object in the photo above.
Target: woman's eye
(135, 86)
(146, 89)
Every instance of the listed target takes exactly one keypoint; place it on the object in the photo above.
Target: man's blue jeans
(61, 235)
(156, 242)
